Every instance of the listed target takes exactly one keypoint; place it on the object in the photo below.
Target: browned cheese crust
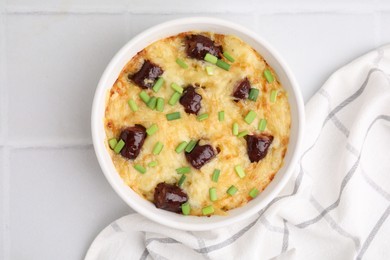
(216, 91)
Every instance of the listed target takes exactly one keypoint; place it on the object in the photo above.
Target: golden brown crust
(216, 93)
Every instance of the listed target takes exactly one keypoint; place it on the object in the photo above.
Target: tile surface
(315, 45)
(53, 66)
(3, 208)
(249, 6)
(140, 22)
(52, 54)
(61, 197)
(384, 29)
(65, 6)
(3, 97)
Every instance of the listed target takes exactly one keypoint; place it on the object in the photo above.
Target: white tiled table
(54, 198)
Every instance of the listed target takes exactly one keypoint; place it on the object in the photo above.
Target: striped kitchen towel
(336, 206)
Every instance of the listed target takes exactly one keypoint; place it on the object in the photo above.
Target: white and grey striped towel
(335, 207)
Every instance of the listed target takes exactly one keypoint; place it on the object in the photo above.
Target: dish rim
(170, 28)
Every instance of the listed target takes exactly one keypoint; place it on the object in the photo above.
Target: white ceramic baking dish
(174, 27)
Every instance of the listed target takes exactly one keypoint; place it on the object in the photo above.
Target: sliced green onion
(152, 164)
(181, 181)
(160, 104)
(228, 57)
(208, 210)
(112, 142)
(210, 58)
(240, 171)
(152, 103)
(177, 88)
(268, 76)
(210, 70)
(215, 175)
(253, 193)
(232, 190)
(235, 129)
(253, 94)
(250, 117)
(274, 94)
(144, 96)
(119, 146)
(157, 86)
(183, 170)
(181, 63)
(152, 129)
(133, 105)
(202, 117)
(173, 116)
(180, 148)
(262, 124)
(243, 133)
(213, 194)
(190, 146)
(221, 116)
(158, 148)
(223, 65)
(174, 98)
(185, 208)
(139, 168)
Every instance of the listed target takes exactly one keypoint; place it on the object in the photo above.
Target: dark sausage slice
(258, 146)
(169, 197)
(147, 75)
(200, 155)
(241, 91)
(134, 138)
(197, 46)
(190, 100)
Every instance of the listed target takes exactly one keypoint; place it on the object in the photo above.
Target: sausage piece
(169, 197)
(200, 155)
(191, 101)
(197, 46)
(134, 138)
(257, 146)
(147, 75)
(241, 91)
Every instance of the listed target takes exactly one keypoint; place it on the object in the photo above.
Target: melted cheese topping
(216, 91)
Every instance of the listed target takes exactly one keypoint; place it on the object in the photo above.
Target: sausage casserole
(197, 123)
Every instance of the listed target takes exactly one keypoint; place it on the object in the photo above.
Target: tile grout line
(334, 9)
(6, 204)
(3, 88)
(5, 153)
